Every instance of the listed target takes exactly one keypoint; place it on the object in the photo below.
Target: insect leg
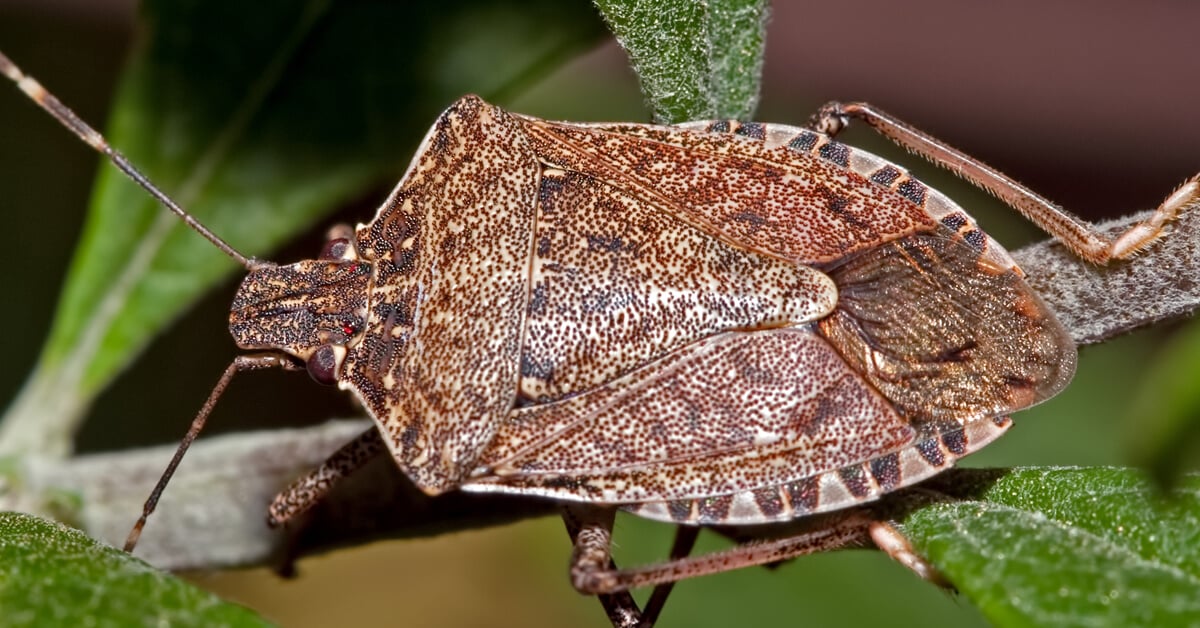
(591, 533)
(895, 544)
(592, 573)
(313, 487)
(251, 362)
(1079, 236)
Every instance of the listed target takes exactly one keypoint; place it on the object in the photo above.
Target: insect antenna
(67, 118)
(85, 132)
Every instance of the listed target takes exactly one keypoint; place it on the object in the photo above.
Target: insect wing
(770, 197)
(945, 338)
(733, 412)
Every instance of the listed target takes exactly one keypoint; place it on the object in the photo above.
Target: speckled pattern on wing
(755, 195)
(737, 410)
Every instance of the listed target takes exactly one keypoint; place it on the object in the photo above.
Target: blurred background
(1091, 103)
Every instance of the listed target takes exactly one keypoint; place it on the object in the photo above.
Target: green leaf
(52, 575)
(1164, 418)
(262, 118)
(1069, 547)
(696, 60)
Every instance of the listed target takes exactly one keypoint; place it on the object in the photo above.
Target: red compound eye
(348, 330)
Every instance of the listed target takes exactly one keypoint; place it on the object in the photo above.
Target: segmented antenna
(67, 118)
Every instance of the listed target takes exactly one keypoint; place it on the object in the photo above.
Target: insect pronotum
(714, 323)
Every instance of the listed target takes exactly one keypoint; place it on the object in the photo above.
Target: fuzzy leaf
(52, 575)
(695, 60)
(1070, 547)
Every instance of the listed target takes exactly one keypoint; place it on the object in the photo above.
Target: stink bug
(713, 323)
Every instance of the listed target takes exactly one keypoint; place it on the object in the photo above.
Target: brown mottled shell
(707, 323)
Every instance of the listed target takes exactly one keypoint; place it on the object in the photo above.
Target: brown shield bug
(714, 323)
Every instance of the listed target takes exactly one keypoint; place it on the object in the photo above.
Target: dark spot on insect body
(607, 244)
(408, 438)
(836, 152)
(886, 471)
(755, 375)
(804, 142)
(954, 222)
(543, 246)
(914, 191)
(441, 136)
(976, 239)
(680, 509)
(401, 313)
(805, 495)
(537, 299)
(838, 204)
(538, 370)
(404, 260)
(720, 126)
(826, 409)
(754, 130)
(550, 188)
(931, 452)
(715, 508)
(956, 442)
(886, 175)
(957, 354)
(768, 501)
(449, 244)
(566, 482)
(596, 301)
(755, 221)
(855, 481)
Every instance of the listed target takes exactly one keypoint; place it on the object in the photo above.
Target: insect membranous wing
(947, 339)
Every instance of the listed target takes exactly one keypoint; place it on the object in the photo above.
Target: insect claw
(829, 119)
